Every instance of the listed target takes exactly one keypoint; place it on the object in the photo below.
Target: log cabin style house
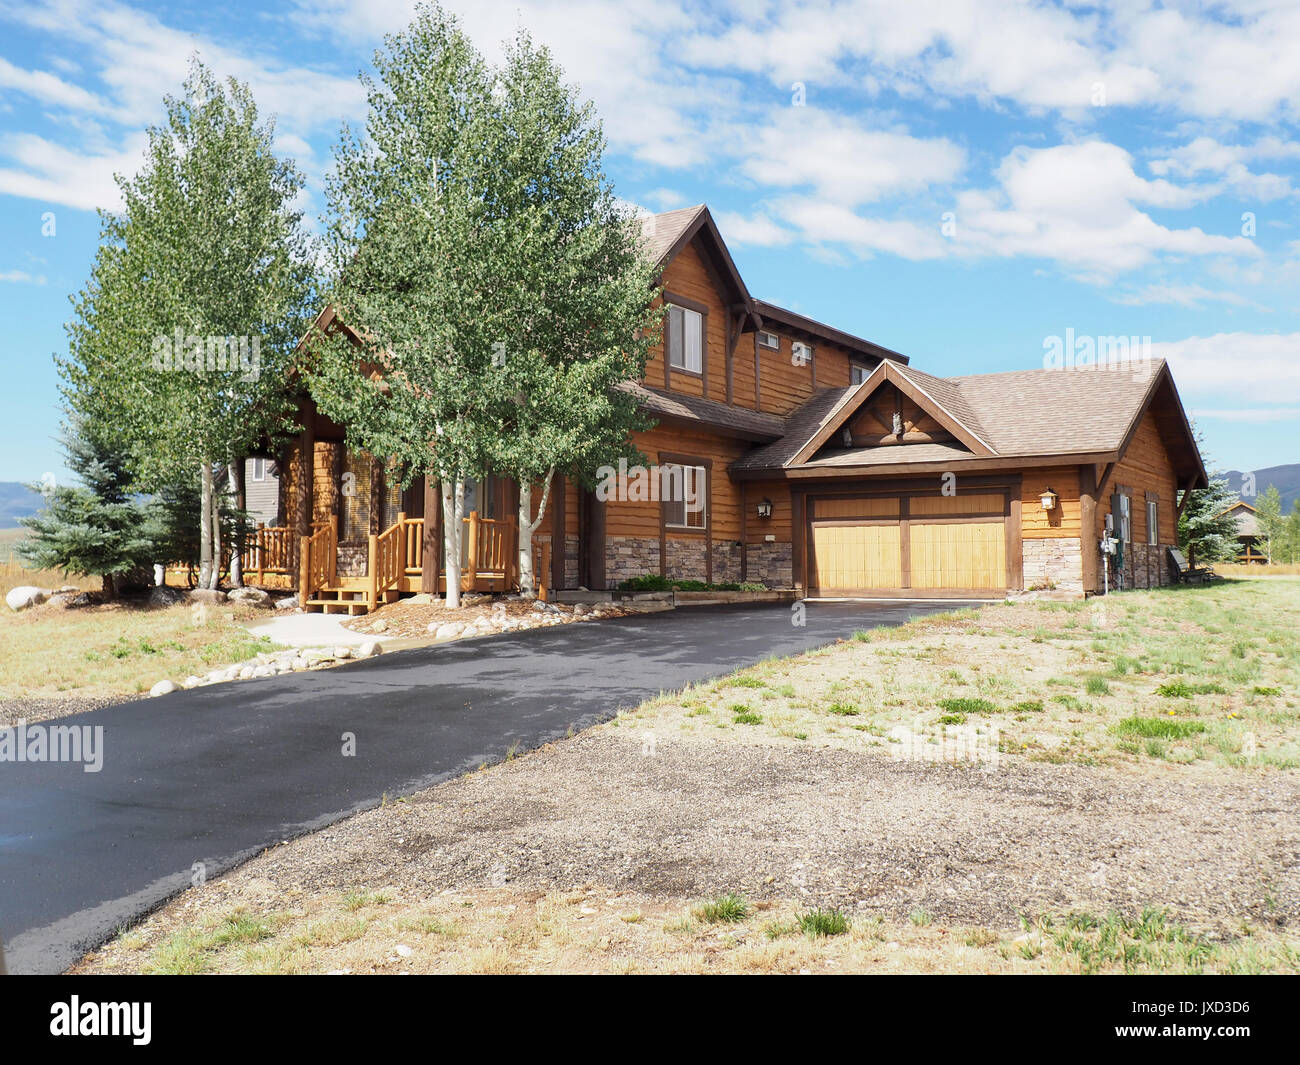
(823, 463)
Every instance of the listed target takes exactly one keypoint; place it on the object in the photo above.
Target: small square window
(858, 373)
(769, 340)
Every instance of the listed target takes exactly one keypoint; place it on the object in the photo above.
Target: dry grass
(592, 930)
(1206, 676)
(115, 649)
(1253, 570)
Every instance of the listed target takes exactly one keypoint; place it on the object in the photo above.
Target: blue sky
(1115, 170)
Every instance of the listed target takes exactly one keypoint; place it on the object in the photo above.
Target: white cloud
(756, 231)
(20, 277)
(1245, 369)
(842, 160)
(1184, 296)
(52, 173)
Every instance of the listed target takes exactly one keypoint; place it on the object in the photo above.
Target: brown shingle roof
(737, 421)
(662, 231)
(1019, 414)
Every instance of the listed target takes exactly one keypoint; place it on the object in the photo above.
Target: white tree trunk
(237, 545)
(205, 524)
(215, 507)
(453, 501)
(528, 526)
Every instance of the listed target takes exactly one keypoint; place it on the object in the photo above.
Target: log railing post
(372, 571)
(401, 536)
(304, 569)
(471, 558)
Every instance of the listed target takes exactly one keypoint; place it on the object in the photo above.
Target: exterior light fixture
(1048, 499)
(765, 508)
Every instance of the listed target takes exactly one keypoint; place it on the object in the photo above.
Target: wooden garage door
(959, 555)
(852, 558)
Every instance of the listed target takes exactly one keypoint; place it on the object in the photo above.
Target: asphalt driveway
(195, 782)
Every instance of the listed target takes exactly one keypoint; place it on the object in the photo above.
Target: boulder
(245, 672)
(25, 596)
(451, 630)
(192, 682)
(421, 599)
(163, 687)
(207, 595)
(289, 602)
(162, 596)
(379, 626)
(342, 652)
(251, 596)
(370, 647)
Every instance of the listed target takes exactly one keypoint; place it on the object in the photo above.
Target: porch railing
(318, 560)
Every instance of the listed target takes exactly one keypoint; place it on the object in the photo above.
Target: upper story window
(769, 340)
(259, 469)
(801, 354)
(684, 339)
(858, 373)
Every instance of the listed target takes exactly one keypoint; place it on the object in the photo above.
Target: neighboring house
(261, 488)
(823, 462)
(1247, 532)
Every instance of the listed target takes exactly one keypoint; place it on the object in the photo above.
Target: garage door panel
(959, 555)
(857, 557)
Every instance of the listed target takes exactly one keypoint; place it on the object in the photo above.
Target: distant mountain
(17, 501)
(1287, 479)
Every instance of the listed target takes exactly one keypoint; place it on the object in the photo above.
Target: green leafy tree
(569, 265)
(183, 336)
(178, 501)
(1270, 519)
(96, 528)
(1291, 535)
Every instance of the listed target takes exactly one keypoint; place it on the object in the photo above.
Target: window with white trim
(684, 339)
(858, 373)
(685, 496)
(769, 340)
(1153, 521)
(259, 469)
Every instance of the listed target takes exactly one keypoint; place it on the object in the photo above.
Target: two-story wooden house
(818, 461)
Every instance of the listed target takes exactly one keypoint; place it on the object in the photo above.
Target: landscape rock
(25, 596)
(289, 602)
(163, 687)
(421, 599)
(207, 595)
(192, 682)
(379, 626)
(342, 652)
(370, 647)
(449, 631)
(251, 596)
(161, 596)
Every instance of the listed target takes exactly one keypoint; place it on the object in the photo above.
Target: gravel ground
(830, 827)
(36, 709)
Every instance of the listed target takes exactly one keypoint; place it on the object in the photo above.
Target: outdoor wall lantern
(765, 508)
(1048, 499)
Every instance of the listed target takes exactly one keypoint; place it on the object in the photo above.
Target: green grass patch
(725, 909)
(1159, 728)
(823, 923)
(967, 705)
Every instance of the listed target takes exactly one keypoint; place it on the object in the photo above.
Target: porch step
(341, 598)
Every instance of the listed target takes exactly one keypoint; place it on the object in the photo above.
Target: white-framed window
(684, 339)
(801, 354)
(769, 340)
(858, 373)
(685, 496)
(259, 469)
(1153, 521)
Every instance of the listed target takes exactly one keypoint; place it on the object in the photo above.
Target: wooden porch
(395, 564)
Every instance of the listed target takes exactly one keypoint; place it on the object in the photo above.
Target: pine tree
(1207, 532)
(95, 529)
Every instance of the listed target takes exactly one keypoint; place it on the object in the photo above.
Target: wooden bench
(1183, 573)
